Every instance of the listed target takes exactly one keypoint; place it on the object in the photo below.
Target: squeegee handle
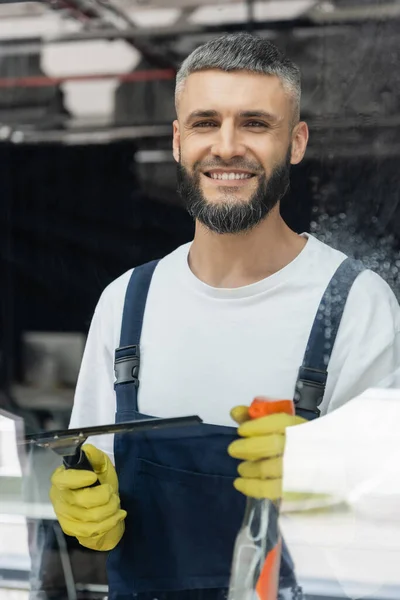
(80, 461)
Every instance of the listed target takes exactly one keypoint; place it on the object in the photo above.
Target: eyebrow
(202, 114)
(259, 114)
(247, 114)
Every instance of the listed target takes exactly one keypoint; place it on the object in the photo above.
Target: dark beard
(232, 216)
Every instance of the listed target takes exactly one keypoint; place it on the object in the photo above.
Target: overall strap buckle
(127, 364)
(310, 389)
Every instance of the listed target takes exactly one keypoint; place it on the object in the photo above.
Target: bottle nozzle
(263, 406)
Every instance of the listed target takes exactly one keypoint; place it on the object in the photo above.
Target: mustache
(236, 163)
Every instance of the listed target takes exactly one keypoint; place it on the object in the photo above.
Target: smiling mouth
(228, 176)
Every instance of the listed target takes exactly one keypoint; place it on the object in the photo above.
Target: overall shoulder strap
(127, 356)
(313, 373)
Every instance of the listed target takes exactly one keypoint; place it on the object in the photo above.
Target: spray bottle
(257, 551)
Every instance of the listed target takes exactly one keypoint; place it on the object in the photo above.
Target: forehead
(233, 92)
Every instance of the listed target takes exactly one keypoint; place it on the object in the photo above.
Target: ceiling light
(275, 10)
(154, 17)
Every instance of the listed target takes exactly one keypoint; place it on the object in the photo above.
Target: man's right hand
(91, 514)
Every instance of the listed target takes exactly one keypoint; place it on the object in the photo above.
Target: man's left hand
(261, 449)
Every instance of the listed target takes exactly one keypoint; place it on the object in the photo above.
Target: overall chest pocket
(184, 525)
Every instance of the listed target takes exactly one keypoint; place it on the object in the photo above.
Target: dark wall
(72, 220)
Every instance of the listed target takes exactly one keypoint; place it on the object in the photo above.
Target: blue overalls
(176, 484)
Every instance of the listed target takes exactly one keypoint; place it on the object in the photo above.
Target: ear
(300, 137)
(176, 141)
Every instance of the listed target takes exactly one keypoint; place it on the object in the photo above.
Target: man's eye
(204, 124)
(256, 124)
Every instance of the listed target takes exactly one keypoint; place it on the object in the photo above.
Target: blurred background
(87, 184)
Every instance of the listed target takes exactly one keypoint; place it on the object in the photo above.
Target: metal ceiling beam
(186, 13)
(21, 9)
(115, 19)
(96, 136)
(43, 81)
(183, 4)
(171, 32)
(310, 21)
(329, 12)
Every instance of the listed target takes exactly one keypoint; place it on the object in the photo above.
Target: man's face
(234, 145)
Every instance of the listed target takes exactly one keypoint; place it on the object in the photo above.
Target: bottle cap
(263, 406)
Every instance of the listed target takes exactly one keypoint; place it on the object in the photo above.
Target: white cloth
(205, 350)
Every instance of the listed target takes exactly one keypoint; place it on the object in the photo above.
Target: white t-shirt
(205, 350)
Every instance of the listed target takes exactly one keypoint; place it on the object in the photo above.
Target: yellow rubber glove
(262, 452)
(92, 515)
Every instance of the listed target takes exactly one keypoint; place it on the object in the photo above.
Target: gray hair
(243, 52)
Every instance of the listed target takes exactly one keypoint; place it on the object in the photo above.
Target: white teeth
(225, 176)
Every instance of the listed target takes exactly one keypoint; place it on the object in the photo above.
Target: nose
(227, 143)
